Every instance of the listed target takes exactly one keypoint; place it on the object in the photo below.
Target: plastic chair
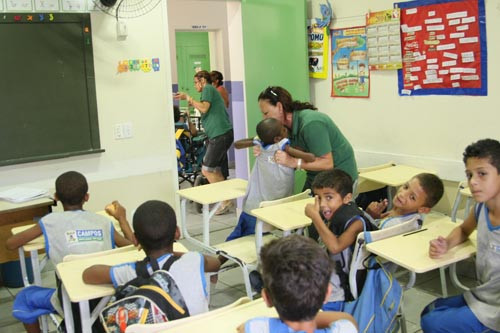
(365, 185)
(156, 328)
(361, 254)
(243, 252)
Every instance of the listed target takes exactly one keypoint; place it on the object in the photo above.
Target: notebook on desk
(23, 194)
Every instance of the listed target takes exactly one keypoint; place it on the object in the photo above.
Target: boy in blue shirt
(478, 309)
(66, 233)
(295, 274)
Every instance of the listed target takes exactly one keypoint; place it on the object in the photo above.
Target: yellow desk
(411, 250)
(393, 176)
(38, 244)
(286, 217)
(75, 290)
(206, 195)
(226, 321)
(17, 214)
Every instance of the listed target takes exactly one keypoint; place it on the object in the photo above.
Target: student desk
(75, 290)
(38, 244)
(411, 250)
(226, 321)
(17, 214)
(393, 176)
(206, 195)
(286, 217)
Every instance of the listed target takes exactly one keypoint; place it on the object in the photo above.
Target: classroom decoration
(318, 51)
(350, 74)
(137, 65)
(383, 39)
(326, 16)
(444, 48)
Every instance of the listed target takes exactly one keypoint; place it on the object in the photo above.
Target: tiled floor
(230, 283)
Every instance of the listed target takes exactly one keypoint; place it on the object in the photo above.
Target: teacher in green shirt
(310, 131)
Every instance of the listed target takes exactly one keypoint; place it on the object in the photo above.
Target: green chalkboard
(48, 105)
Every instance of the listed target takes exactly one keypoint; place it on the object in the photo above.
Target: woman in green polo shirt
(311, 131)
(218, 129)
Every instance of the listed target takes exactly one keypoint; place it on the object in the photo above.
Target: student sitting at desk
(478, 309)
(155, 228)
(73, 231)
(414, 198)
(269, 180)
(336, 221)
(185, 124)
(295, 273)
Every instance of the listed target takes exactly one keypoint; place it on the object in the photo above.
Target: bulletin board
(444, 48)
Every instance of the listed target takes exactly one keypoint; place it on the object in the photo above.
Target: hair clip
(272, 92)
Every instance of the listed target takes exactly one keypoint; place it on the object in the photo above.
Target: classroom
(256, 44)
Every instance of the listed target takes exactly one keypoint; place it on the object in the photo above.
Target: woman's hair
(278, 94)
(216, 76)
(205, 75)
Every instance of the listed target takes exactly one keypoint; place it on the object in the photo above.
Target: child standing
(477, 310)
(295, 273)
(414, 198)
(269, 180)
(155, 227)
(73, 231)
(336, 220)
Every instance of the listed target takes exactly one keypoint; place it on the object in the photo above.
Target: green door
(193, 55)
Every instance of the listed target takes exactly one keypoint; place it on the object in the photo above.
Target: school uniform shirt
(76, 232)
(484, 300)
(275, 325)
(268, 180)
(188, 273)
(396, 220)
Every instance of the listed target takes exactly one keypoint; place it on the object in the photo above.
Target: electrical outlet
(118, 132)
(127, 130)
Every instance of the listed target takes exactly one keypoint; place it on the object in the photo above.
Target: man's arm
(20, 239)
(97, 274)
(320, 163)
(306, 157)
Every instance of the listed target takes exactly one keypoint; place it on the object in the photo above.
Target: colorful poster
(383, 39)
(318, 51)
(444, 48)
(350, 74)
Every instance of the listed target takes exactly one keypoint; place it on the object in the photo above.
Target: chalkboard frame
(91, 142)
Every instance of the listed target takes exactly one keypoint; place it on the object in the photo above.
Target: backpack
(147, 299)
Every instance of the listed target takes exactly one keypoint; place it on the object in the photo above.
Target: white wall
(425, 131)
(131, 170)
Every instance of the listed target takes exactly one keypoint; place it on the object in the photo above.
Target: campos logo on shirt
(73, 236)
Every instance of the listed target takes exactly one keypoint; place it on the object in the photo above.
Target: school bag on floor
(147, 299)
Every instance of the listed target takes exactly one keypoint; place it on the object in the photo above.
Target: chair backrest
(154, 328)
(360, 253)
(299, 196)
(364, 185)
(71, 257)
(463, 190)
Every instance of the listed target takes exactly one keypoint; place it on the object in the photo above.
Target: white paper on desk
(22, 194)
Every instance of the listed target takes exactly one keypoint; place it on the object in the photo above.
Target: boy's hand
(312, 210)
(375, 208)
(256, 150)
(116, 210)
(438, 247)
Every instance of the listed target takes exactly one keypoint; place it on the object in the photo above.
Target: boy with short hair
(268, 180)
(295, 273)
(417, 196)
(155, 228)
(73, 231)
(336, 220)
(477, 310)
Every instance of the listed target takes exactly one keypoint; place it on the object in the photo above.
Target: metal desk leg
(85, 317)
(35, 264)
(184, 232)
(68, 314)
(258, 237)
(206, 225)
(442, 275)
(22, 262)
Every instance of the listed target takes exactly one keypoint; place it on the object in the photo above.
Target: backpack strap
(141, 267)
(169, 262)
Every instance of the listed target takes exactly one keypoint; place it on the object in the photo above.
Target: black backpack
(147, 299)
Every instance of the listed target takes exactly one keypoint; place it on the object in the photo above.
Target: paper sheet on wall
(384, 39)
(350, 74)
(318, 51)
(47, 5)
(74, 5)
(19, 5)
(446, 39)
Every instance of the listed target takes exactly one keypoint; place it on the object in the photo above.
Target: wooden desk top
(7, 207)
(70, 273)
(226, 321)
(216, 192)
(412, 251)
(393, 176)
(287, 216)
